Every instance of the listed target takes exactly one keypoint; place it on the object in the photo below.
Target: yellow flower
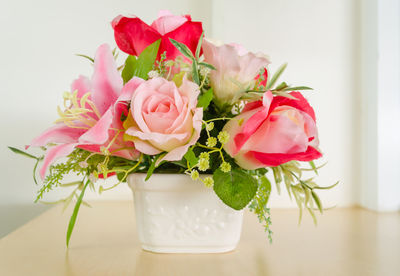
(225, 167)
(194, 174)
(211, 141)
(208, 181)
(223, 137)
(203, 164)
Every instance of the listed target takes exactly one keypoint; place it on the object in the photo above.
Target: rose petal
(254, 122)
(132, 35)
(301, 103)
(279, 134)
(167, 22)
(179, 152)
(165, 142)
(188, 34)
(276, 159)
(145, 147)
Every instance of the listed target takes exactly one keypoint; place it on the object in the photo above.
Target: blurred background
(347, 50)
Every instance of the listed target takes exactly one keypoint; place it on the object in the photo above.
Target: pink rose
(164, 118)
(274, 131)
(237, 70)
(133, 35)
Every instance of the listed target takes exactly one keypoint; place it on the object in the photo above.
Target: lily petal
(98, 134)
(106, 81)
(55, 153)
(59, 133)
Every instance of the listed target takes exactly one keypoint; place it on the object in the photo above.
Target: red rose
(133, 35)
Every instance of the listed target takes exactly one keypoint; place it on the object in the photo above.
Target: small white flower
(204, 71)
(83, 164)
(153, 74)
(92, 178)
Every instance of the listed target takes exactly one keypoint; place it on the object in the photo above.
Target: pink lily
(92, 121)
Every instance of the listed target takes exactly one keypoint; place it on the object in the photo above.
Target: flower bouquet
(182, 105)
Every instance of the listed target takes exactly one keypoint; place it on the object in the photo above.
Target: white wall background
(39, 38)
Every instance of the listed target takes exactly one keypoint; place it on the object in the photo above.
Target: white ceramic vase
(175, 214)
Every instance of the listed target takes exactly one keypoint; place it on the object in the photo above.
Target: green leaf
(18, 151)
(205, 99)
(207, 65)
(146, 60)
(191, 158)
(284, 94)
(278, 178)
(141, 66)
(297, 88)
(75, 213)
(129, 68)
(34, 170)
(235, 188)
(195, 72)
(288, 182)
(327, 187)
(265, 184)
(312, 215)
(178, 78)
(85, 56)
(281, 86)
(317, 201)
(154, 165)
(198, 49)
(295, 192)
(276, 76)
(183, 49)
(312, 164)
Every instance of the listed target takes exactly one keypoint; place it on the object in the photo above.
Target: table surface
(345, 242)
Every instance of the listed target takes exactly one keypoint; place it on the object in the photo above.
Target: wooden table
(346, 242)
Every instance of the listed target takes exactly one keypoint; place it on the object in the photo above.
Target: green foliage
(205, 99)
(23, 153)
(198, 48)
(303, 191)
(183, 49)
(87, 57)
(195, 72)
(129, 68)
(191, 157)
(141, 66)
(207, 65)
(154, 165)
(56, 174)
(235, 188)
(276, 76)
(72, 220)
(259, 204)
(295, 88)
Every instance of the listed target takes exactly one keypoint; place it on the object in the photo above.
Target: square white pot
(175, 214)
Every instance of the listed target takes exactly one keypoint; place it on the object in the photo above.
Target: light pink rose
(236, 71)
(165, 118)
(273, 131)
